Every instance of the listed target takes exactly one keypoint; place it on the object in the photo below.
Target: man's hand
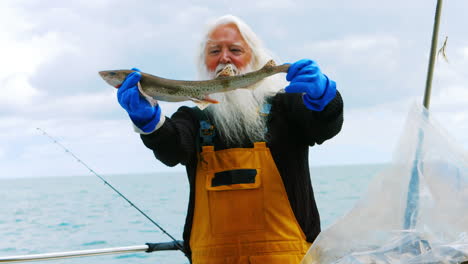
(305, 77)
(143, 114)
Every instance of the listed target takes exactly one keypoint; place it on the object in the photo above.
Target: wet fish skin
(177, 90)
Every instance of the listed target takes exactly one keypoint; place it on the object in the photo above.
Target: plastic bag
(415, 211)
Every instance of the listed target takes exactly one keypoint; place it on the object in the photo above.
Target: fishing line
(112, 187)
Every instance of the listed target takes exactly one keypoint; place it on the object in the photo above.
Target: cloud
(450, 106)
(23, 53)
(369, 135)
(92, 105)
(107, 146)
(455, 97)
(98, 105)
(65, 46)
(449, 99)
(52, 50)
(16, 91)
(273, 4)
(363, 51)
(369, 68)
(464, 52)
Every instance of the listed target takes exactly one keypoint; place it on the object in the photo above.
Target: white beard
(237, 117)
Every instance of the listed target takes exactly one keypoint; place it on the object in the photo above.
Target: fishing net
(415, 211)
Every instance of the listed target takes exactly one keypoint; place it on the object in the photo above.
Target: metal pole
(71, 254)
(149, 247)
(412, 201)
(430, 69)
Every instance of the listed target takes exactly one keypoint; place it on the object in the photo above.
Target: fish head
(114, 78)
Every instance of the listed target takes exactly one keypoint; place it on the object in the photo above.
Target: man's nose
(225, 58)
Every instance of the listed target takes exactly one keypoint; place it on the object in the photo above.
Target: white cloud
(22, 53)
(369, 135)
(17, 91)
(26, 54)
(78, 105)
(450, 106)
(98, 105)
(51, 51)
(464, 52)
(455, 97)
(273, 4)
(107, 146)
(363, 50)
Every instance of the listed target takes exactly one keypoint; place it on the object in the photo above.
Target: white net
(415, 211)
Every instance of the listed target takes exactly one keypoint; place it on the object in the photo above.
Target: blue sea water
(42, 215)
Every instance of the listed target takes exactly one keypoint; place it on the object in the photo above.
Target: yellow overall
(246, 222)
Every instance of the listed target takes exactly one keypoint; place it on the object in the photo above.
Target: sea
(55, 214)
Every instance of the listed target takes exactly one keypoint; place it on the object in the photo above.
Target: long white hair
(236, 116)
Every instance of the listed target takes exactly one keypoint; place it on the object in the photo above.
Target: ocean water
(43, 215)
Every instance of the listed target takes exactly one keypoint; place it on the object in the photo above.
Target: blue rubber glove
(305, 77)
(141, 112)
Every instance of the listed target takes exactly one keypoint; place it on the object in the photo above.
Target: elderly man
(251, 198)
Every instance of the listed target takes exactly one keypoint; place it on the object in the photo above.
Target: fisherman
(251, 197)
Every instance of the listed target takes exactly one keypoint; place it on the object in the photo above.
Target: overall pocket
(235, 201)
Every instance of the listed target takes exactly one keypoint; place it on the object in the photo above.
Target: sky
(376, 51)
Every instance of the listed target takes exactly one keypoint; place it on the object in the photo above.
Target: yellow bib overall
(250, 221)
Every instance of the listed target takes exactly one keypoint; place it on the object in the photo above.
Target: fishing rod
(412, 201)
(177, 243)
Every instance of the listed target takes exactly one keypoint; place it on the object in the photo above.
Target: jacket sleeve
(312, 126)
(175, 141)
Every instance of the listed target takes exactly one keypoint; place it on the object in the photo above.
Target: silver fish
(198, 91)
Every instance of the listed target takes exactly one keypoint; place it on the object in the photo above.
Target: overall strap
(206, 132)
(265, 111)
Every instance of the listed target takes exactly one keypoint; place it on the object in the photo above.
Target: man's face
(226, 46)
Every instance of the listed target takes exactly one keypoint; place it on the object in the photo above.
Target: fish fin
(148, 98)
(204, 102)
(207, 98)
(202, 105)
(270, 63)
(227, 71)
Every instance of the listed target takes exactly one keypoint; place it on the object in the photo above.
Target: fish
(168, 90)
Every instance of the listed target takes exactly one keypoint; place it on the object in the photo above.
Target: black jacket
(292, 128)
